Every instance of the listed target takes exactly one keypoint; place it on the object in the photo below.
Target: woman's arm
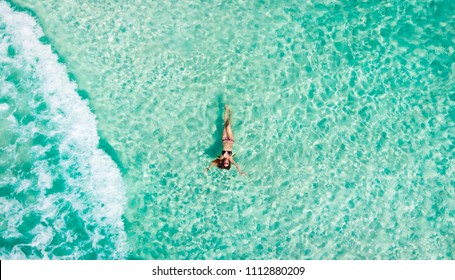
(238, 167)
(212, 164)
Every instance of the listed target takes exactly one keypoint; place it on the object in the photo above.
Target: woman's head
(224, 163)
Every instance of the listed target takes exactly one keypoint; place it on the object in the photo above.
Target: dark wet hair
(220, 164)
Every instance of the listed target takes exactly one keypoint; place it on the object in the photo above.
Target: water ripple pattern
(342, 111)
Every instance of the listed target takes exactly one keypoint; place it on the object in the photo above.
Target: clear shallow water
(343, 116)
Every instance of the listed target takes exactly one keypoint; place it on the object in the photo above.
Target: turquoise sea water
(343, 113)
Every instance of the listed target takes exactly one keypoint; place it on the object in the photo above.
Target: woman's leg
(227, 132)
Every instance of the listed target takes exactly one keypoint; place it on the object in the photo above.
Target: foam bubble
(13, 216)
(4, 107)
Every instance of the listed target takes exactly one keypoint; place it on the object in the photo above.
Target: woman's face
(226, 162)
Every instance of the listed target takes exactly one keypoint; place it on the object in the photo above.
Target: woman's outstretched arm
(212, 164)
(238, 167)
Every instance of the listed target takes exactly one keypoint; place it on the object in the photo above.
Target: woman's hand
(212, 164)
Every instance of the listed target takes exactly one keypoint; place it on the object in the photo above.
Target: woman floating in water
(226, 158)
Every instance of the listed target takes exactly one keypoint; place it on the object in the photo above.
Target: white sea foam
(3, 107)
(98, 193)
